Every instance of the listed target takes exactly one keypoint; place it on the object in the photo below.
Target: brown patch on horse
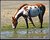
(39, 4)
(25, 8)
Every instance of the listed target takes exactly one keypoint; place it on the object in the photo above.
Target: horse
(28, 11)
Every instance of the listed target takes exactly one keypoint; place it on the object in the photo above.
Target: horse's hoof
(34, 26)
(41, 27)
(27, 28)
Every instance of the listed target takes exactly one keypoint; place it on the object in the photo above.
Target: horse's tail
(43, 8)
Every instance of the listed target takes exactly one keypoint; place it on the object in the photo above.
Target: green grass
(22, 25)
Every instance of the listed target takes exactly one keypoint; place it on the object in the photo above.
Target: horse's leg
(41, 19)
(26, 22)
(31, 21)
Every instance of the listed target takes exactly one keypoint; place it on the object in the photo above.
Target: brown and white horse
(28, 11)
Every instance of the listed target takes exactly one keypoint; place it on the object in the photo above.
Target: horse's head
(14, 22)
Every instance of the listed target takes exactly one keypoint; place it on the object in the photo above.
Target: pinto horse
(28, 11)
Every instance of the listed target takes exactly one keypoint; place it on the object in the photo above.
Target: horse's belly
(34, 12)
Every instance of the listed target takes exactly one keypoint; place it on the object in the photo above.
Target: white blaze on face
(13, 26)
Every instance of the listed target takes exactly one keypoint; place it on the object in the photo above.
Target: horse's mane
(22, 6)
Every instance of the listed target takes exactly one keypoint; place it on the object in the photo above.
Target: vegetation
(23, 26)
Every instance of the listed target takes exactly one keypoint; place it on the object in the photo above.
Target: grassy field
(21, 31)
(23, 26)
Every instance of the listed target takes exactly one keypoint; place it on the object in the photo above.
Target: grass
(22, 25)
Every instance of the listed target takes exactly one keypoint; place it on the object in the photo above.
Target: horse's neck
(20, 11)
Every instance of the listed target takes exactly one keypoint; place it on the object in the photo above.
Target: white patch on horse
(29, 7)
(25, 12)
